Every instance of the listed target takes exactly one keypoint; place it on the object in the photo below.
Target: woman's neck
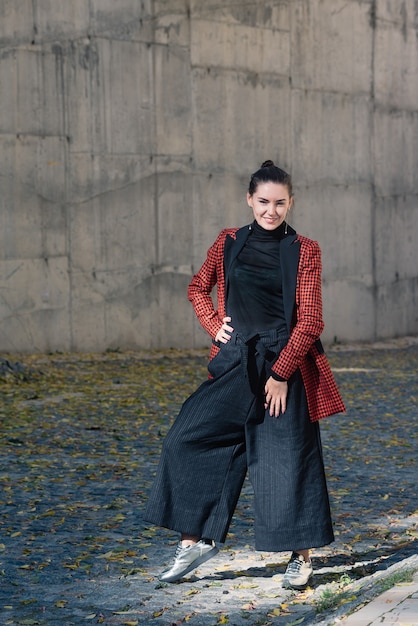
(268, 235)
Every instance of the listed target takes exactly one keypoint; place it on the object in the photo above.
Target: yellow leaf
(107, 555)
(192, 592)
(297, 621)
(275, 613)
(223, 619)
(132, 623)
(61, 604)
(350, 599)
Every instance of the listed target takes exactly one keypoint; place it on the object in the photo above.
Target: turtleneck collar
(268, 235)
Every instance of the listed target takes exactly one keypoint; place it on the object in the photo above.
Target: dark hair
(270, 173)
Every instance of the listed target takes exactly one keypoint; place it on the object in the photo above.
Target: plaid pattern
(301, 350)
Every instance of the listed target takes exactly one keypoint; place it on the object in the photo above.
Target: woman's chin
(270, 224)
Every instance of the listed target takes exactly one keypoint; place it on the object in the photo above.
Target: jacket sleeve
(308, 312)
(202, 284)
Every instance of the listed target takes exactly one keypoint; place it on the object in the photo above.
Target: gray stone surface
(128, 131)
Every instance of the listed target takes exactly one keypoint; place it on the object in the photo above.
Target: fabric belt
(258, 346)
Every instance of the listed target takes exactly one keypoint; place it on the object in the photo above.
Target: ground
(79, 444)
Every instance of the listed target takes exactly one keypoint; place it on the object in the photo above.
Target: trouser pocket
(228, 357)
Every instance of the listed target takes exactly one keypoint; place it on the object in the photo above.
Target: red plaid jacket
(300, 260)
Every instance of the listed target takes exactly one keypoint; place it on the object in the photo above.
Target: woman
(269, 384)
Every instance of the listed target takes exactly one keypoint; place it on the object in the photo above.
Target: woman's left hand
(276, 396)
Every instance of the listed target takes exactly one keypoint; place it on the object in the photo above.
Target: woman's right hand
(223, 335)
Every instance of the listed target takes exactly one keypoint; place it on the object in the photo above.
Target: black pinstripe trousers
(222, 431)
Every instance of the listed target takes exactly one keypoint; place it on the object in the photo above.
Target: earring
(285, 228)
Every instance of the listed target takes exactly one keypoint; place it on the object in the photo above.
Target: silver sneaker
(298, 573)
(186, 559)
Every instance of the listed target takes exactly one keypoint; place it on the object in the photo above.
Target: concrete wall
(129, 130)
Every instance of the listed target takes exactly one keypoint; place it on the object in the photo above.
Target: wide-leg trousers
(223, 431)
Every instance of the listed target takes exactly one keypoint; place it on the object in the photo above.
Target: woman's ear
(249, 200)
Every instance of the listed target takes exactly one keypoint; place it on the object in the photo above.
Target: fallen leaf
(192, 592)
(276, 612)
(61, 604)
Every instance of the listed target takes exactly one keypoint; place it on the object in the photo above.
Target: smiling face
(270, 203)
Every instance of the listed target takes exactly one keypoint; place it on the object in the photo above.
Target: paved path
(397, 606)
(79, 444)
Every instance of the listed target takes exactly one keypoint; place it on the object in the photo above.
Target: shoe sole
(192, 566)
(288, 585)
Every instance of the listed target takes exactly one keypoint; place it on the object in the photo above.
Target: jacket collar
(289, 260)
(233, 246)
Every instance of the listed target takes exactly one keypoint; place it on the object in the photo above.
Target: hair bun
(269, 173)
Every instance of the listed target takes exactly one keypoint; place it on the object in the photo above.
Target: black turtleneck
(255, 298)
